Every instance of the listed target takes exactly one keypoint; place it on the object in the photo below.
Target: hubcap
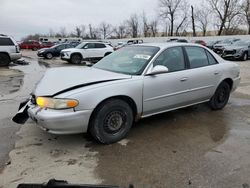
(222, 96)
(114, 122)
(49, 56)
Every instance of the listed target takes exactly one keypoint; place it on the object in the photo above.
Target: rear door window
(6, 42)
(99, 45)
(197, 57)
(211, 59)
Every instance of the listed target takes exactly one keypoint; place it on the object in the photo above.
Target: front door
(170, 90)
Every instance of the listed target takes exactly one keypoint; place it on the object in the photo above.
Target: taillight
(17, 49)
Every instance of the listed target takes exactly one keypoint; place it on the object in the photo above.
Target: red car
(201, 42)
(33, 45)
(46, 44)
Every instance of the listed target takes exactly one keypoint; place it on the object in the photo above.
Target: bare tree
(203, 17)
(93, 32)
(154, 27)
(246, 12)
(133, 25)
(105, 29)
(145, 24)
(193, 21)
(183, 24)
(225, 11)
(78, 31)
(120, 31)
(169, 9)
(63, 32)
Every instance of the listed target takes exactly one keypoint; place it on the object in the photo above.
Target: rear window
(6, 42)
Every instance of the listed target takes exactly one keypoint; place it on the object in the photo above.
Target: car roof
(167, 45)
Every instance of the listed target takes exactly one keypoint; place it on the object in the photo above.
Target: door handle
(216, 73)
(183, 79)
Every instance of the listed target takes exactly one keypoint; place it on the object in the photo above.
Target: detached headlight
(46, 102)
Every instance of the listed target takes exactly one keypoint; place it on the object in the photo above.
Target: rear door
(204, 73)
(100, 50)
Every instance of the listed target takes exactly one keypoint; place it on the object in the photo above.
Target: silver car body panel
(151, 94)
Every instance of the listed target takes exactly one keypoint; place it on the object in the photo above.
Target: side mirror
(158, 69)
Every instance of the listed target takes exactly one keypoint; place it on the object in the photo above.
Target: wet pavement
(191, 147)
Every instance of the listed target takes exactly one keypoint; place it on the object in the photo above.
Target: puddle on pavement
(166, 150)
(11, 80)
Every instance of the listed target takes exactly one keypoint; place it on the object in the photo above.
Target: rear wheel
(111, 121)
(76, 59)
(4, 60)
(221, 97)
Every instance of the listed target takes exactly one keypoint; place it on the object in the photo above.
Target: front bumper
(65, 56)
(236, 83)
(59, 121)
(232, 56)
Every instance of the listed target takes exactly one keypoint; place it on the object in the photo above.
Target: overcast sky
(21, 17)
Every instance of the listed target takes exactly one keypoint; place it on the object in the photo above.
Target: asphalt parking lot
(191, 147)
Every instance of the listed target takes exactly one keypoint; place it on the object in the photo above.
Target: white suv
(90, 51)
(9, 50)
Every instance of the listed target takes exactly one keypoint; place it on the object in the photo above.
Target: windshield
(128, 60)
(241, 43)
(226, 41)
(80, 45)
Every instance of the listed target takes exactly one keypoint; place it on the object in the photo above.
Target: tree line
(174, 18)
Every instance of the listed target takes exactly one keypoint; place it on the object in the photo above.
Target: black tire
(34, 49)
(244, 56)
(111, 121)
(49, 56)
(221, 97)
(4, 60)
(76, 59)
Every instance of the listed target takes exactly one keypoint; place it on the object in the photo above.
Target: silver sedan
(132, 83)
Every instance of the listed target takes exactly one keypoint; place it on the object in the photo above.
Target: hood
(235, 47)
(69, 49)
(222, 45)
(42, 49)
(60, 80)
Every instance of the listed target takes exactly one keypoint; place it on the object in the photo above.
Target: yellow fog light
(47, 102)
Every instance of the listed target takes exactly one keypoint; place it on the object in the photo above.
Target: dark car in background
(220, 46)
(240, 50)
(210, 44)
(46, 44)
(177, 40)
(53, 51)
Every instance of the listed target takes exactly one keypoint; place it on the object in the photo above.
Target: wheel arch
(6, 54)
(125, 98)
(229, 81)
(76, 53)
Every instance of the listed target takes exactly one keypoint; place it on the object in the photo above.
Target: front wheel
(221, 97)
(49, 56)
(76, 59)
(111, 121)
(244, 57)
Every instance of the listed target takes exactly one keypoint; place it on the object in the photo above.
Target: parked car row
(54, 51)
(234, 49)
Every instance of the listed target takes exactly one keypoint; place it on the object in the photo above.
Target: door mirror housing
(158, 69)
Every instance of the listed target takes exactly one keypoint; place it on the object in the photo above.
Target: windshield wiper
(64, 184)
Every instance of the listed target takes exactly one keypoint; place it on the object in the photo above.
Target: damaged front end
(22, 115)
